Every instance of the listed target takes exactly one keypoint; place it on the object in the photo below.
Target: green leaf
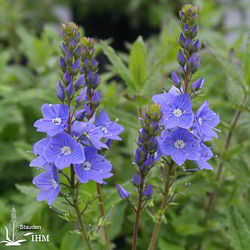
(118, 65)
(240, 169)
(238, 230)
(163, 245)
(138, 63)
(31, 191)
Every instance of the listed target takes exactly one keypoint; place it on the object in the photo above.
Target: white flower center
(57, 121)
(200, 121)
(66, 150)
(179, 144)
(104, 130)
(54, 184)
(86, 165)
(177, 112)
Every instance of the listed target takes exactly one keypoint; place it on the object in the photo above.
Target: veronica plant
(76, 134)
(145, 159)
(183, 132)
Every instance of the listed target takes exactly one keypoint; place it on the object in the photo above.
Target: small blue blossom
(89, 134)
(110, 129)
(64, 150)
(178, 113)
(95, 167)
(39, 149)
(180, 144)
(205, 122)
(49, 184)
(55, 119)
(206, 154)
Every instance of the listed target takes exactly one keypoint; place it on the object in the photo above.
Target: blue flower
(178, 113)
(205, 122)
(124, 194)
(55, 119)
(110, 129)
(180, 145)
(64, 150)
(95, 168)
(206, 154)
(88, 134)
(39, 149)
(49, 184)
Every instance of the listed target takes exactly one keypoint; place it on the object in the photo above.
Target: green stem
(78, 213)
(168, 174)
(138, 213)
(105, 230)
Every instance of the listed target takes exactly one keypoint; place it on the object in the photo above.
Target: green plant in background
(23, 83)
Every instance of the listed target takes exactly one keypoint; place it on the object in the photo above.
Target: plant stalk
(138, 214)
(168, 173)
(101, 202)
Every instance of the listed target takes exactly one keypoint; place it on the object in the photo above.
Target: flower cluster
(185, 132)
(74, 133)
(146, 153)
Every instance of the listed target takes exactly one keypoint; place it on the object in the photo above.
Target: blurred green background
(143, 35)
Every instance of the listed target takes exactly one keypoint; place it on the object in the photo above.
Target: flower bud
(176, 79)
(76, 64)
(67, 77)
(124, 194)
(96, 98)
(198, 84)
(70, 90)
(196, 45)
(181, 58)
(136, 179)
(182, 39)
(80, 115)
(79, 82)
(60, 91)
(62, 63)
(148, 191)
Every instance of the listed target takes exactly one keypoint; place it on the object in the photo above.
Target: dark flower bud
(124, 194)
(80, 115)
(136, 179)
(194, 31)
(82, 98)
(96, 98)
(76, 64)
(64, 49)
(67, 77)
(78, 52)
(188, 44)
(185, 28)
(148, 191)
(176, 79)
(194, 63)
(79, 82)
(60, 91)
(182, 39)
(70, 89)
(62, 63)
(181, 58)
(198, 84)
(196, 45)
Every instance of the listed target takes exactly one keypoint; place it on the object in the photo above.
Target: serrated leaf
(238, 230)
(138, 63)
(117, 63)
